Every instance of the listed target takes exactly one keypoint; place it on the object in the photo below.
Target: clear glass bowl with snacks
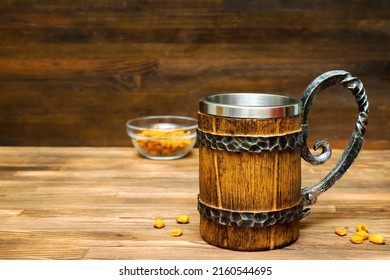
(163, 137)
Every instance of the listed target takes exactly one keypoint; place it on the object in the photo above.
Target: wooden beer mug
(250, 149)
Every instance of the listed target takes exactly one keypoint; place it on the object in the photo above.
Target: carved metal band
(247, 143)
(251, 219)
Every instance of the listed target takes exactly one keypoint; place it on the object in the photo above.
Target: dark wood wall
(73, 72)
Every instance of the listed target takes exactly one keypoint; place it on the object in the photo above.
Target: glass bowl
(163, 137)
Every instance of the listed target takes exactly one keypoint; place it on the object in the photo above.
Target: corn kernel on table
(99, 203)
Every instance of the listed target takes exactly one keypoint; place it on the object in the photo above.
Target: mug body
(249, 170)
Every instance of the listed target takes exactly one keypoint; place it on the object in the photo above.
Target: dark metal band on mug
(250, 219)
(248, 143)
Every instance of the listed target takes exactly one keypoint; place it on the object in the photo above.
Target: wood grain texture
(248, 127)
(200, 47)
(99, 203)
(75, 69)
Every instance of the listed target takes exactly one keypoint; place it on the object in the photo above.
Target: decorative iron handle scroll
(309, 195)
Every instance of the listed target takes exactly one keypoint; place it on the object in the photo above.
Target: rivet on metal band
(252, 219)
(249, 144)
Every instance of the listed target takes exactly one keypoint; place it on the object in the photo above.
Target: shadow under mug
(250, 148)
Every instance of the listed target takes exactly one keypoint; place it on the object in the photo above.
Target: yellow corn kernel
(377, 239)
(183, 219)
(342, 231)
(158, 223)
(356, 239)
(363, 234)
(362, 226)
(176, 232)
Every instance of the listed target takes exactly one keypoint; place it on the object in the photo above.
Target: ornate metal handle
(309, 195)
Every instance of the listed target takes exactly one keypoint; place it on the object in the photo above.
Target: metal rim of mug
(250, 105)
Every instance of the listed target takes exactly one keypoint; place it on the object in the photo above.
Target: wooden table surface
(99, 203)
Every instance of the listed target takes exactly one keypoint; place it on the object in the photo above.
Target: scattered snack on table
(183, 219)
(341, 231)
(360, 235)
(355, 239)
(377, 239)
(158, 223)
(176, 232)
(363, 234)
(361, 227)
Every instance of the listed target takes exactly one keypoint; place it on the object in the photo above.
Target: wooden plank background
(73, 72)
